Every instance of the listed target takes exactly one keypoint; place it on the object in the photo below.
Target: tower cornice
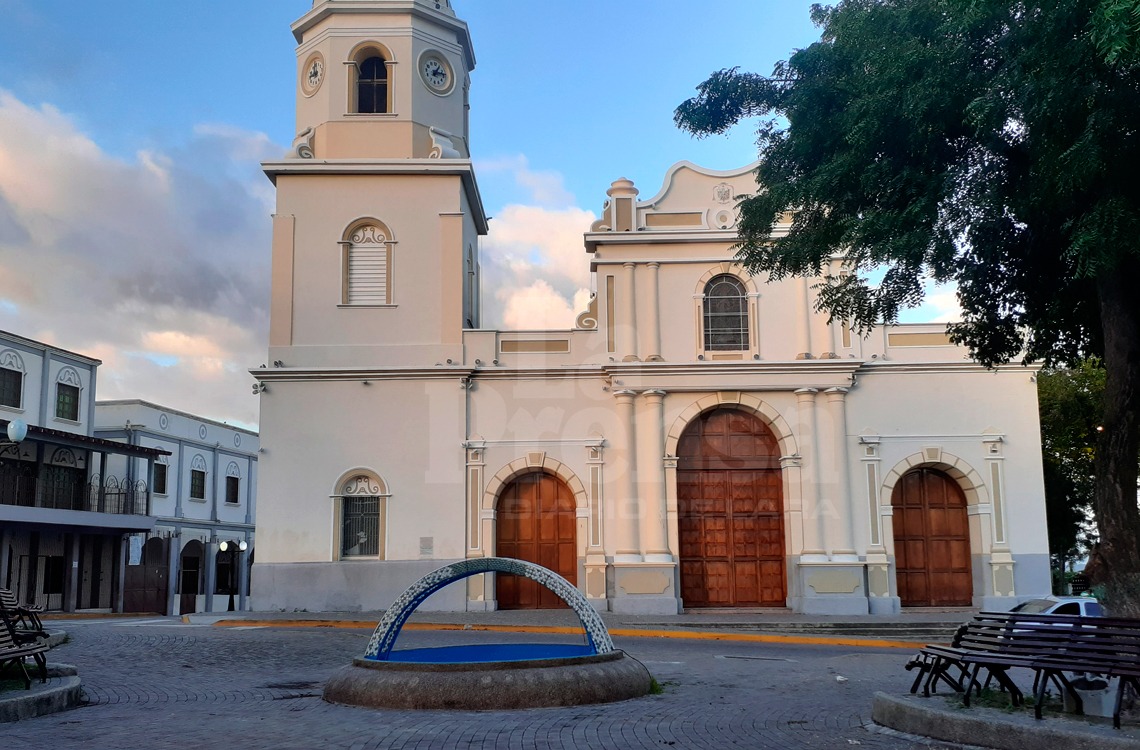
(330, 8)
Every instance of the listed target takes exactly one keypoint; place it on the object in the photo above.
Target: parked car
(1086, 606)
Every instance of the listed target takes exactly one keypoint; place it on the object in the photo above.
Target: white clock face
(313, 74)
(436, 74)
(316, 72)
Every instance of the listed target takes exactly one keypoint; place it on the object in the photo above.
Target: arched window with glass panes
(725, 314)
(371, 90)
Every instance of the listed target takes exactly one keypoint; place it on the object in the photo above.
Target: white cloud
(536, 273)
(940, 305)
(545, 188)
(159, 265)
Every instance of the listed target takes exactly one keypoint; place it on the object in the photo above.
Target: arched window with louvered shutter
(725, 314)
(367, 264)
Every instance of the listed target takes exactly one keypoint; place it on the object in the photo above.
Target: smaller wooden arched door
(932, 541)
(536, 522)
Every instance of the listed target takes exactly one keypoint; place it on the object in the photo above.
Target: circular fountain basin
(488, 677)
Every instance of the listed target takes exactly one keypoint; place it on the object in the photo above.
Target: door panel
(932, 541)
(730, 513)
(536, 522)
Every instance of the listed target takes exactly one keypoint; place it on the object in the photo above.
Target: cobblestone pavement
(163, 685)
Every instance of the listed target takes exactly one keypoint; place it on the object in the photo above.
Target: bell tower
(382, 79)
(375, 238)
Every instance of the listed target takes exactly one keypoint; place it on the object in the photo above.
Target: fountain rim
(486, 666)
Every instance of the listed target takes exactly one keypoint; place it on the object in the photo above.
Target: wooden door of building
(536, 522)
(144, 588)
(730, 513)
(932, 541)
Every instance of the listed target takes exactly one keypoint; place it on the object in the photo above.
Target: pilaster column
(803, 321)
(653, 325)
(174, 552)
(627, 541)
(627, 323)
(844, 535)
(211, 553)
(119, 590)
(654, 510)
(812, 513)
(243, 579)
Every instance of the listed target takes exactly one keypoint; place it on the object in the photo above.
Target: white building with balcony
(65, 515)
(197, 557)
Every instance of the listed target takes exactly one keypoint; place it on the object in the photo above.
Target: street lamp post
(235, 548)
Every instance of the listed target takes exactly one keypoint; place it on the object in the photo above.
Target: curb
(45, 700)
(994, 729)
(557, 630)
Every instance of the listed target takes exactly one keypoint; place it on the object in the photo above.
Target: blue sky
(134, 220)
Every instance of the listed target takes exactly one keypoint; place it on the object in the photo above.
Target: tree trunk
(1117, 515)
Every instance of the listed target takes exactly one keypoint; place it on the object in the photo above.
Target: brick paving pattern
(161, 686)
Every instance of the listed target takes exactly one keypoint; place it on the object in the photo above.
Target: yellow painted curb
(696, 635)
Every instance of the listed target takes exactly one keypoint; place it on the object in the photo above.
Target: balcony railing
(107, 496)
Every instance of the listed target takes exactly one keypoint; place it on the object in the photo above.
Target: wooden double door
(730, 513)
(932, 541)
(536, 522)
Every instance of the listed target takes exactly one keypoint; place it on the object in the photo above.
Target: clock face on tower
(313, 74)
(436, 73)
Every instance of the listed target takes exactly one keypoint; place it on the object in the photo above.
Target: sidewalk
(900, 631)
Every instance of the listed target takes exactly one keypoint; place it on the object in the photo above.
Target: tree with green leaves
(988, 143)
(1071, 401)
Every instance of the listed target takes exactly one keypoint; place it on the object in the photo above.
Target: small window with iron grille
(67, 402)
(360, 527)
(233, 485)
(11, 387)
(197, 484)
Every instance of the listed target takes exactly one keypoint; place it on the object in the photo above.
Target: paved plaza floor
(162, 684)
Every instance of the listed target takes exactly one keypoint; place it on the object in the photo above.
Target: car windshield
(1034, 606)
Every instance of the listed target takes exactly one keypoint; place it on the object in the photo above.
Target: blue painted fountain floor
(489, 652)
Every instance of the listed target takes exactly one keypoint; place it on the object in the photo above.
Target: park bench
(1049, 645)
(13, 653)
(23, 619)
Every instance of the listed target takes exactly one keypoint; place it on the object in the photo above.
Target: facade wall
(194, 444)
(412, 407)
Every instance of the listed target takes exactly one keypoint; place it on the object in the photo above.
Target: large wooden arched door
(730, 513)
(536, 522)
(932, 541)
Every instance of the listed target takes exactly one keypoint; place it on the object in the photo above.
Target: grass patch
(659, 688)
(1001, 701)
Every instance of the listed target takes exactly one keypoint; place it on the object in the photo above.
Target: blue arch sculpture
(384, 637)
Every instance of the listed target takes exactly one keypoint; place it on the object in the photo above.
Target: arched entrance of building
(536, 522)
(190, 577)
(932, 540)
(730, 510)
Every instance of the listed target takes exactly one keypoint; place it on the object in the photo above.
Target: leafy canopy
(983, 142)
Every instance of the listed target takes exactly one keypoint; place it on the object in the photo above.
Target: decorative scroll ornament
(69, 376)
(10, 360)
(198, 463)
(444, 145)
(362, 485)
(232, 470)
(723, 193)
(380, 645)
(588, 320)
(369, 234)
(303, 144)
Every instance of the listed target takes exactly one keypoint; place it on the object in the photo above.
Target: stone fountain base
(484, 686)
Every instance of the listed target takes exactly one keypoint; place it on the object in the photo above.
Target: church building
(699, 439)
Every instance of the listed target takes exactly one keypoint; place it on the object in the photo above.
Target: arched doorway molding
(516, 469)
(480, 587)
(971, 484)
(789, 458)
(744, 401)
(766, 555)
